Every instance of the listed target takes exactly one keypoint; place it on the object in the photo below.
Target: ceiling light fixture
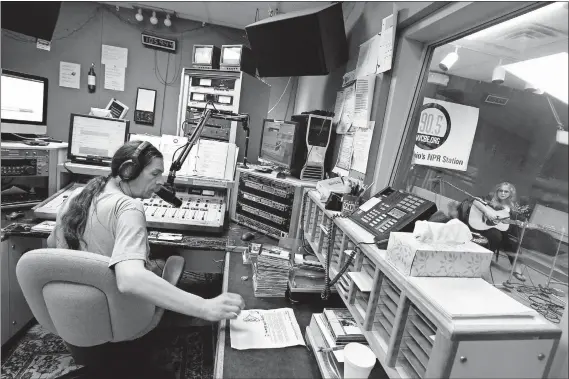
(167, 21)
(499, 74)
(139, 17)
(153, 19)
(449, 60)
(549, 73)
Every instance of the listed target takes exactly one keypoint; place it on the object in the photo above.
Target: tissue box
(414, 258)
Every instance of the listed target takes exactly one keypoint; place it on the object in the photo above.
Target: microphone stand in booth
(168, 191)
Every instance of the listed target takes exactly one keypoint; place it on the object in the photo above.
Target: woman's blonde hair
(510, 201)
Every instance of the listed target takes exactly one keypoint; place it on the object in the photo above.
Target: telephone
(392, 210)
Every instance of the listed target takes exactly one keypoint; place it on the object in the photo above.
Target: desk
(289, 362)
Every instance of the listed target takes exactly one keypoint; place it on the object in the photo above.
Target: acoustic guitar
(479, 221)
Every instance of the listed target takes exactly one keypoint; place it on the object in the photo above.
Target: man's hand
(224, 306)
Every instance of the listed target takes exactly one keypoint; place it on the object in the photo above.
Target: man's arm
(133, 278)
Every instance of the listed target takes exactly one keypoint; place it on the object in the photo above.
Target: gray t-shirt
(116, 228)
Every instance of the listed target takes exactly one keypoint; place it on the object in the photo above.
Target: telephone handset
(392, 210)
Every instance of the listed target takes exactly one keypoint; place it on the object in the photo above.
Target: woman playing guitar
(498, 207)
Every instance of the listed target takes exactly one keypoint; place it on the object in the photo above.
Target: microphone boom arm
(193, 138)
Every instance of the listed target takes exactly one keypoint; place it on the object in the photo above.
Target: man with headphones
(105, 218)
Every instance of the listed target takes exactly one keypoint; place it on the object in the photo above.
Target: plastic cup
(358, 361)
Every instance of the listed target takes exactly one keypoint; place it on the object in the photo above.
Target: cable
(279, 100)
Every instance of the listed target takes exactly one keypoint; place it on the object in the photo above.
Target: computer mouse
(248, 236)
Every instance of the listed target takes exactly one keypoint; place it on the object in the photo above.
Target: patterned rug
(42, 355)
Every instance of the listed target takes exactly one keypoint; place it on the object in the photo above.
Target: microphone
(169, 195)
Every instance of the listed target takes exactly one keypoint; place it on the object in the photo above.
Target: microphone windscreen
(169, 196)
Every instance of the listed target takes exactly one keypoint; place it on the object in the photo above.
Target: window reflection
(515, 136)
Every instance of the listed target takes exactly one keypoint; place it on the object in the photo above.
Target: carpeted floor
(42, 355)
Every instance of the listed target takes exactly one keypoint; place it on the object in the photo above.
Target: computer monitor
(237, 58)
(94, 140)
(279, 143)
(24, 103)
(205, 56)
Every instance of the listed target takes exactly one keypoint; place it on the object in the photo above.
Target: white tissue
(453, 232)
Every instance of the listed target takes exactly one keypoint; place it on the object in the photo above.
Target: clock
(159, 43)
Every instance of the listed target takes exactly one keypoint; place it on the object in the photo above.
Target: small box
(415, 258)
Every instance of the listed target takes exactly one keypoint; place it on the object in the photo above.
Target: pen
(328, 349)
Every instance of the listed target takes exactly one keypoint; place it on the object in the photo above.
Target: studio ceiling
(234, 14)
(535, 34)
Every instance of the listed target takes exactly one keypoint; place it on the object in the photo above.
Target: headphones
(131, 168)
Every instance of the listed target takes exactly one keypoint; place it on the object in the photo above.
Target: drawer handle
(541, 356)
(463, 359)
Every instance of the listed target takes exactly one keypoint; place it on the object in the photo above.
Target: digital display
(231, 55)
(202, 55)
(205, 82)
(198, 97)
(396, 213)
(96, 137)
(22, 99)
(278, 142)
(224, 99)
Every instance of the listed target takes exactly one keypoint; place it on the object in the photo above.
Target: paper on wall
(362, 143)
(344, 161)
(387, 40)
(363, 98)
(347, 110)
(265, 329)
(368, 56)
(114, 78)
(338, 107)
(69, 75)
(114, 56)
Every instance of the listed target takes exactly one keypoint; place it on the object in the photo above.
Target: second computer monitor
(279, 142)
(94, 140)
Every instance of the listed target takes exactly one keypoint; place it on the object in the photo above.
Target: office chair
(74, 295)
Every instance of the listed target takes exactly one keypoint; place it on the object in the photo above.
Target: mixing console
(202, 210)
(198, 212)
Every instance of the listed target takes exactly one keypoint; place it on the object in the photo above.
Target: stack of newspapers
(271, 272)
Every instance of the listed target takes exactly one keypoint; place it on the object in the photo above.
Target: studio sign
(434, 126)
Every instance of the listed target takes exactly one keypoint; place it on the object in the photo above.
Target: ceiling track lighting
(139, 17)
(153, 19)
(499, 74)
(449, 60)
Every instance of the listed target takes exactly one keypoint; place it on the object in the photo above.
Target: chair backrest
(74, 294)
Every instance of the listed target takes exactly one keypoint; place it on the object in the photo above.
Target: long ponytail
(75, 218)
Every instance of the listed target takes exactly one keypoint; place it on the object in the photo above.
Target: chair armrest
(173, 269)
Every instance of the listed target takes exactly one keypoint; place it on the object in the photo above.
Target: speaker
(308, 42)
(131, 168)
(32, 18)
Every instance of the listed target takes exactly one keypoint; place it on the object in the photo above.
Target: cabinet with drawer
(422, 327)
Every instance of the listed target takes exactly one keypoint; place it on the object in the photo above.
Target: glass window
(491, 123)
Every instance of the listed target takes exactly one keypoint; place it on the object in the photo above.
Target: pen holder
(349, 204)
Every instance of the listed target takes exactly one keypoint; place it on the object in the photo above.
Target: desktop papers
(362, 143)
(265, 329)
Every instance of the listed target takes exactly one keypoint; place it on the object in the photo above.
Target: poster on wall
(445, 134)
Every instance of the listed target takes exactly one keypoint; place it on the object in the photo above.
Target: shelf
(93, 170)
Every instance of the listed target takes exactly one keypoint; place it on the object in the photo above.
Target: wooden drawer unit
(411, 331)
